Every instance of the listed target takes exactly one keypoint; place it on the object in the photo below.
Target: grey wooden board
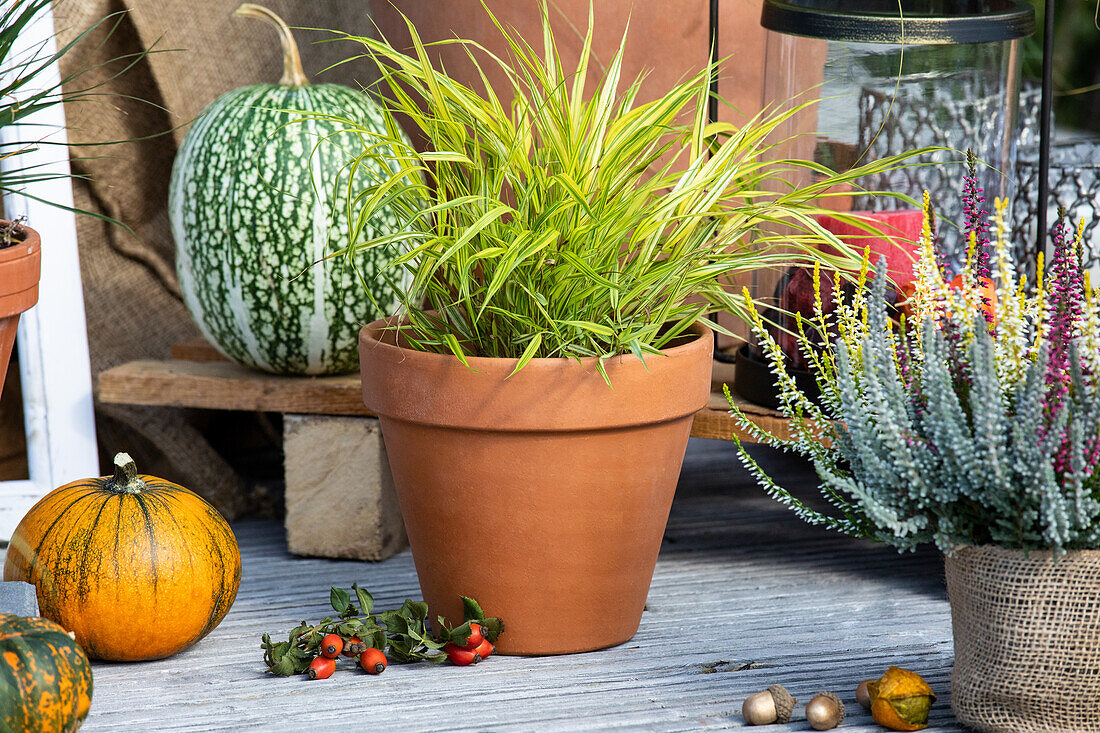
(741, 587)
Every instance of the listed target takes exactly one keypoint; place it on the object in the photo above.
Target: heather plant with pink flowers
(972, 417)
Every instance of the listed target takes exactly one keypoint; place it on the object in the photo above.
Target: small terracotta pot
(20, 266)
(543, 495)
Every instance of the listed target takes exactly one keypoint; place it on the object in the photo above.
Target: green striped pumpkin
(253, 205)
(45, 678)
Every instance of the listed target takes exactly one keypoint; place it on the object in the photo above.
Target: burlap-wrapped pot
(1027, 639)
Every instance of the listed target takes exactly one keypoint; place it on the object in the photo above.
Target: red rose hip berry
(373, 661)
(459, 656)
(331, 646)
(321, 668)
(485, 648)
(473, 641)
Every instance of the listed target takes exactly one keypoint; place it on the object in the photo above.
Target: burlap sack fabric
(131, 295)
(1027, 640)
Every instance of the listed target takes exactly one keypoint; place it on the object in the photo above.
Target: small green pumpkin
(45, 678)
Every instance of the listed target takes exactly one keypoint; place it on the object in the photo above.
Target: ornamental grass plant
(971, 419)
(26, 88)
(578, 221)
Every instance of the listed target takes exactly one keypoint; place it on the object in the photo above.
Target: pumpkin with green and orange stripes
(45, 678)
(136, 566)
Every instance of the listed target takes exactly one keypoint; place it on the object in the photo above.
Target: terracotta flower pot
(20, 266)
(544, 495)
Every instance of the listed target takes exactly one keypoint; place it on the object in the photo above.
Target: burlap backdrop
(130, 292)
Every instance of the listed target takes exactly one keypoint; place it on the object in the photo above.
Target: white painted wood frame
(53, 343)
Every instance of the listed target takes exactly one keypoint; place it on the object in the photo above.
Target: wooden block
(340, 499)
(224, 385)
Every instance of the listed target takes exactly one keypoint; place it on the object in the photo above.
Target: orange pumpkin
(137, 567)
(45, 678)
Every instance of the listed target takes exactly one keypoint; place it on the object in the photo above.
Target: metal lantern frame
(880, 21)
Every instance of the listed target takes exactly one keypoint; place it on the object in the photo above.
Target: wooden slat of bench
(199, 376)
(223, 385)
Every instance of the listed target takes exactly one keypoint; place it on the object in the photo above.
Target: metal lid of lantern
(901, 21)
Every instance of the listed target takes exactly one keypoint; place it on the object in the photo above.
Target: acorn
(825, 711)
(773, 705)
(863, 693)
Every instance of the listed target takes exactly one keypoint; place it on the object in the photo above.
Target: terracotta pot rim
(20, 272)
(547, 395)
(26, 248)
(588, 363)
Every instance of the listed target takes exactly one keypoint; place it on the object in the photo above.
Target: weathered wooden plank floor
(743, 596)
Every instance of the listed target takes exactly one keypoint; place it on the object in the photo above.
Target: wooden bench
(333, 449)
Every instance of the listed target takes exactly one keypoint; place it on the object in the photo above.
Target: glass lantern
(884, 77)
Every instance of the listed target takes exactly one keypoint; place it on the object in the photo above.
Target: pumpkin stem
(293, 74)
(125, 480)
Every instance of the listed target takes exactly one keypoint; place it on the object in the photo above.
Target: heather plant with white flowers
(973, 417)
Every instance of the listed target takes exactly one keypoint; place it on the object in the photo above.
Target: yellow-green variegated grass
(578, 222)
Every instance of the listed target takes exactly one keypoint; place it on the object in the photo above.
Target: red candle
(898, 241)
